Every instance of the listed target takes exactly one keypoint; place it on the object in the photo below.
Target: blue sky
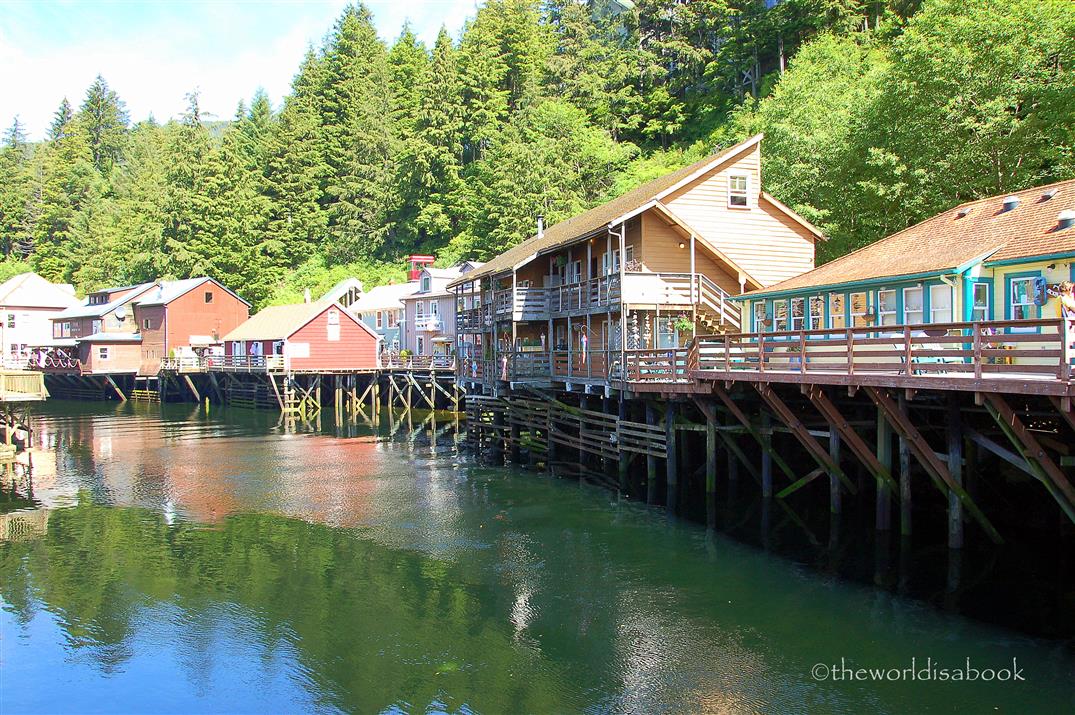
(154, 53)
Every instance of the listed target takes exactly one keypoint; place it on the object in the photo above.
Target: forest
(877, 114)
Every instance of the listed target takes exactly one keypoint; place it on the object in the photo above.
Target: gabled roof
(29, 290)
(339, 290)
(279, 322)
(386, 297)
(614, 212)
(168, 291)
(85, 310)
(963, 236)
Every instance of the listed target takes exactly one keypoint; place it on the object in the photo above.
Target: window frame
(208, 297)
(738, 194)
(864, 314)
(921, 305)
(951, 304)
(834, 314)
(986, 286)
(102, 352)
(894, 312)
(1010, 280)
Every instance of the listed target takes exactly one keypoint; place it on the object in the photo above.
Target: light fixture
(682, 245)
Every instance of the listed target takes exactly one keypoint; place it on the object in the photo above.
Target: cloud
(153, 54)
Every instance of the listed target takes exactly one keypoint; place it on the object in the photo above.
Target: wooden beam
(729, 403)
(798, 429)
(193, 389)
(112, 383)
(1023, 439)
(903, 425)
(854, 441)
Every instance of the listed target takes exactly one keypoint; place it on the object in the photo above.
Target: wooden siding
(355, 350)
(762, 239)
(446, 308)
(122, 357)
(661, 254)
(154, 345)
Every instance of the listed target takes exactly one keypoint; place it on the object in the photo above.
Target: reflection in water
(219, 563)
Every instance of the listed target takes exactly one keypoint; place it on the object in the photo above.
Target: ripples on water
(170, 561)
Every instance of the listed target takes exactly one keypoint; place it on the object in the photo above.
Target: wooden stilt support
(766, 456)
(798, 429)
(115, 388)
(854, 441)
(711, 468)
(671, 459)
(938, 472)
(883, 503)
(1049, 474)
(905, 475)
(836, 497)
(624, 457)
(651, 461)
(192, 388)
(954, 434)
(765, 444)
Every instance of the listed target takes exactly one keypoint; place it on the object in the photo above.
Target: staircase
(714, 309)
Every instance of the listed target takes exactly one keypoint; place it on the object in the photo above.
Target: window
(837, 316)
(102, 353)
(146, 324)
(332, 326)
(421, 345)
(912, 306)
(427, 282)
(780, 315)
(1021, 298)
(575, 272)
(940, 304)
(886, 307)
(96, 326)
(737, 190)
(10, 320)
(857, 303)
(980, 309)
(434, 308)
(817, 312)
(759, 316)
(798, 313)
(380, 319)
(237, 347)
(419, 309)
(393, 318)
(208, 296)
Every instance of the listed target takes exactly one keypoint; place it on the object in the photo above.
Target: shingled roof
(597, 218)
(975, 231)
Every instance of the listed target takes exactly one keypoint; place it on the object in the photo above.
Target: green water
(169, 561)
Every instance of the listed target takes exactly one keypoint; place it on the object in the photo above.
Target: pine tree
(104, 119)
(359, 143)
(61, 121)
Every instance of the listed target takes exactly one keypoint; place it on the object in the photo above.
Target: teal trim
(1065, 255)
(968, 305)
(1008, 279)
(852, 286)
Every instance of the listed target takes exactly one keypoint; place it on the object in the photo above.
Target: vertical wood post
(955, 468)
(671, 458)
(882, 510)
(711, 469)
(624, 459)
(835, 496)
(766, 456)
(905, 477)
(651, 461)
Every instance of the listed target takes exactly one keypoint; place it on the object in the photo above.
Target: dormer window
(425, 284)
(738, 191)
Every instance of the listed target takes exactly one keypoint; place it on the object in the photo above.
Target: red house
(306, 337)
(176, 318)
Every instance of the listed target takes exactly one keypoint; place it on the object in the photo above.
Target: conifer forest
(877, 114)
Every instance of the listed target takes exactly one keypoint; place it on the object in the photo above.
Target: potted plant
(683, 325)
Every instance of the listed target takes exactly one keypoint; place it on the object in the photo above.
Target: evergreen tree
(61, 120)
(104, 119)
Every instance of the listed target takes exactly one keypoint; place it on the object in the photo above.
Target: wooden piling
(835, 496)
(711, 469)
(651, 461)
(624, 457)
(905, 477)
(883, 504)
(954, 433)
(766, 456)
(671, 458)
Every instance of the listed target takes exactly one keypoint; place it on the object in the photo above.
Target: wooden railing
(55, 362)
(22, 386)
(246, 363)
(599, 292)
(186, 363)
(670, 365)
(1016, 349)
(417, 362)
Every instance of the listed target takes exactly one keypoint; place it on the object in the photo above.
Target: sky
(155, 52)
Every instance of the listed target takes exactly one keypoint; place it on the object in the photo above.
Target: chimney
(541, 226)
(1010, 203)
(1065, 220)
(306, 296)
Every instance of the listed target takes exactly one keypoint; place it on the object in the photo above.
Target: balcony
(428, 323)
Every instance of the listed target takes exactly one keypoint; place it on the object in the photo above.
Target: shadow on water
(227, 562)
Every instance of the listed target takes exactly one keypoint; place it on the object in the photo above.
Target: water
(167, 561)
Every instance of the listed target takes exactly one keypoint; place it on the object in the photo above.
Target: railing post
(977, 357)
(850, 351)
(761, 352)
(908, 356)
(1065, 346)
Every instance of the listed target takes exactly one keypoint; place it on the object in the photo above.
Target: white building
(28, 303)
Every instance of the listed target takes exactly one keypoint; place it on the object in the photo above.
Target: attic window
(1065, 220)
(1009, 203)
(425, 284)
(1049, 194)
(208, 296)
(963, 212)
(738, 190)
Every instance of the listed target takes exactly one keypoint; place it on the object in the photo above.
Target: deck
(22, 386)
